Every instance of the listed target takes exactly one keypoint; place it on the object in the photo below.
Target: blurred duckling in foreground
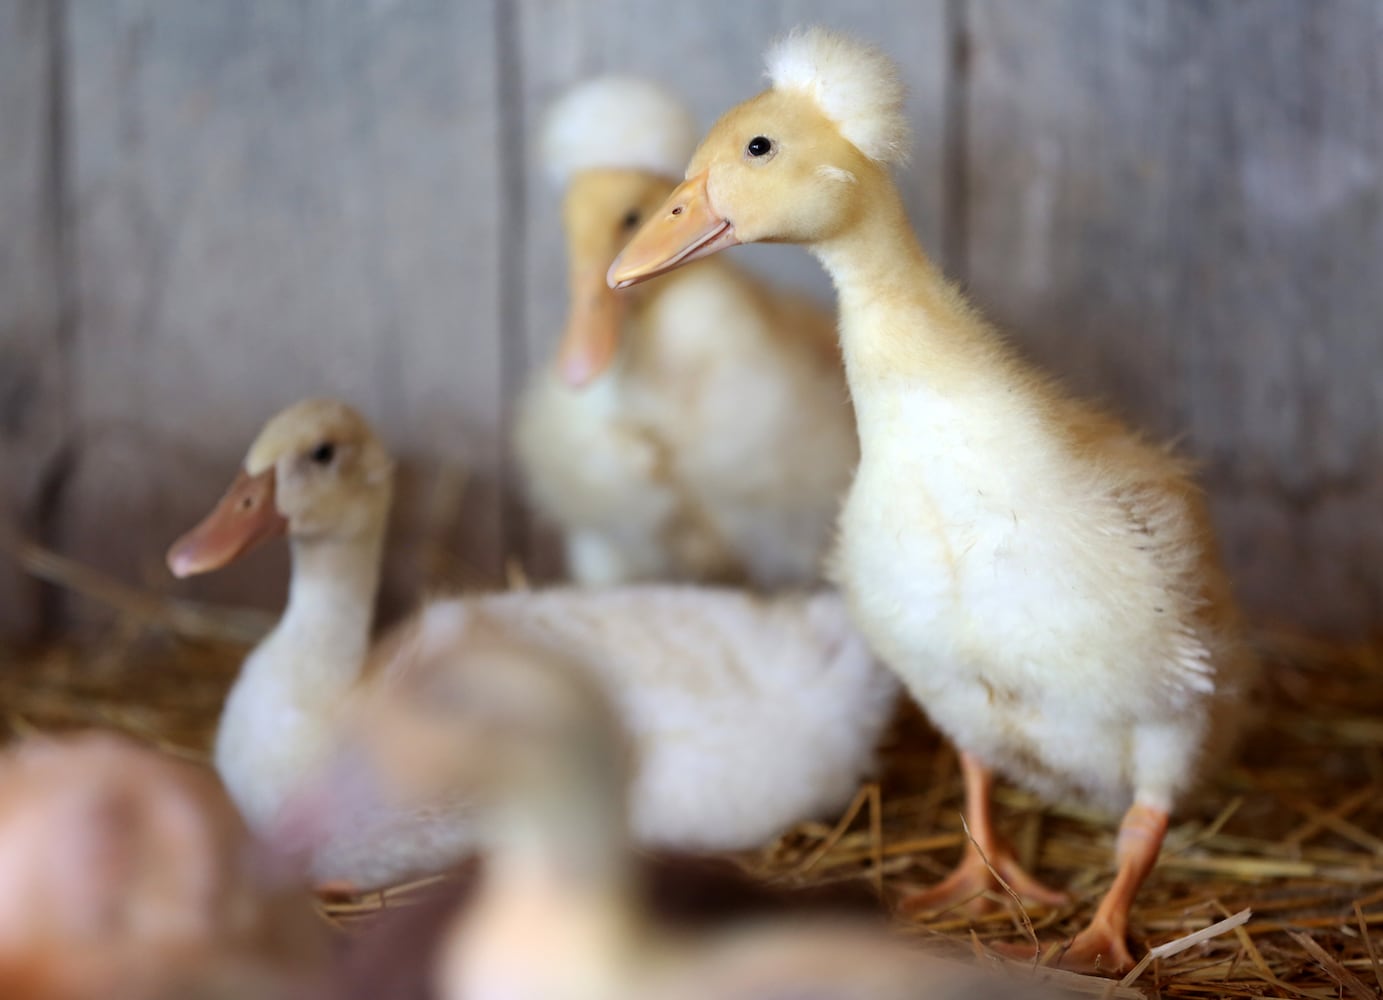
(128, 875)
(1044, 580)
(747, 714)
(695, 430)
(559, 912)
(393, 955)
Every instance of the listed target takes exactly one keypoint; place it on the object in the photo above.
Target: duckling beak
(686, 228)
(244, 517)
(592, 333)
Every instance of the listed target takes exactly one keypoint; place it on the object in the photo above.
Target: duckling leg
(985, 854)
(1103, 945)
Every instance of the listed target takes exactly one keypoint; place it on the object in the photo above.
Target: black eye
(759, 146)
(631, 219)
(324, 453)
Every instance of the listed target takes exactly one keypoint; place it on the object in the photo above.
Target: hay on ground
(1293, 832)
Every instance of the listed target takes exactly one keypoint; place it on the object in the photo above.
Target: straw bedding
(1293, 831)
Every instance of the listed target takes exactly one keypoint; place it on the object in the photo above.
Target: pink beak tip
(179, 565)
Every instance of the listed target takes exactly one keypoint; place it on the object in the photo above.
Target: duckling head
(615, 146)
(793, 165)
(316, 471)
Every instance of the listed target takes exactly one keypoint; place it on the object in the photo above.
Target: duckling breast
(1041, 622)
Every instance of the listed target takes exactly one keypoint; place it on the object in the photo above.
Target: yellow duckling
(1044, 581)
(698, 429)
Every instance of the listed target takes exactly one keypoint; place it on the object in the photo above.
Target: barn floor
(1292, 832)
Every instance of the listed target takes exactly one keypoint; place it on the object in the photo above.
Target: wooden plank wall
(33, 388)
(281, 200)
(1180, 207)
(212, 209)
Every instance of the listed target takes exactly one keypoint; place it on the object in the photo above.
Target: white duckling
(318, 473)
(558, 912)
(127, 874)
(695, 430)
(748, 714)
(1043, 579)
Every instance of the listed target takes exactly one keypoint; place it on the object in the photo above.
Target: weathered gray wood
(1176, 205)
(712, 54)
(32, 364)
(1179, 206)
(279, 200)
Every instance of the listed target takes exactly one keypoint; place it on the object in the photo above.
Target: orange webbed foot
(1098, 950)
(1102, 948)
(967, 887)
(973, 885)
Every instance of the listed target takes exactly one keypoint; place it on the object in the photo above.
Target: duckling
(557, 912)
(1043, 579)
(696, 430)
(319, 474)
(706, 680)
(127, 874)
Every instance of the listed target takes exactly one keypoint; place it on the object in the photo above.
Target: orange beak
(592, 333)
(242, 519)
(686, 228)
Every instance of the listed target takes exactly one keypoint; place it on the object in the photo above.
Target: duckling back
(745, 715)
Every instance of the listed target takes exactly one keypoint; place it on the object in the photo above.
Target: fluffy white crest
(617, 122)
(854, 84)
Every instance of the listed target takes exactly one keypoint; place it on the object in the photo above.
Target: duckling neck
(594, 941)
(325, 630)
(276, 720)
(567, 868)
(573, 832)
(900, 320)
(332, 595)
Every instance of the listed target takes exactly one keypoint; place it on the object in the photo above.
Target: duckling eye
(324, 453)
(631, 219)
(760, 145)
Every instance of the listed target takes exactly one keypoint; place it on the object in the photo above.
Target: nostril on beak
(677, 210)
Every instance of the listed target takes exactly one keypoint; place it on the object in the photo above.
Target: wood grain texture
(32, 358)
(1179, 207)
(282, 200)
(212, 209)
(710, 53)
